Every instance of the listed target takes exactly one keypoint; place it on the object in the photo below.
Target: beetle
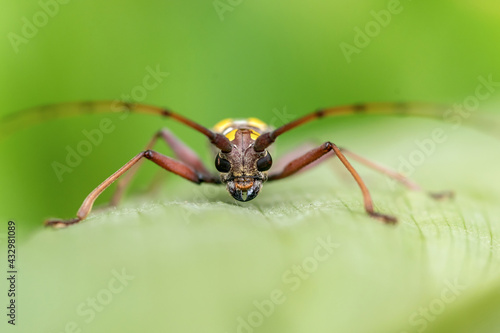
(242, 157)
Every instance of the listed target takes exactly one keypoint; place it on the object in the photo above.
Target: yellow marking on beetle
(231, 135)
(254, 122)
(228, 124)
(222, 125)
(254, 135)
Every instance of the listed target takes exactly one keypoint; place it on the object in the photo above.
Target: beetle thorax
(243, 157)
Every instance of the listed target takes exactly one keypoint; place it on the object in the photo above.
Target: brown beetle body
(241, 149)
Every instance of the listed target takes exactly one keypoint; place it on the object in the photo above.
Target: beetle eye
(265, 163)
(221, 164)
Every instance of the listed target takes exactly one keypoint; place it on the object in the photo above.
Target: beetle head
(243, 170)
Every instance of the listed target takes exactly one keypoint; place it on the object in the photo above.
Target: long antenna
(30, 117)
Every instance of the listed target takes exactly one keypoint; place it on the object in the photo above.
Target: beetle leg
(313, 155)
(181, 151)
(403, 180)
(167, 163)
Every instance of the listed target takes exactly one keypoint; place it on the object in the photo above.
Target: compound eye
(221, 164)
(264, 163)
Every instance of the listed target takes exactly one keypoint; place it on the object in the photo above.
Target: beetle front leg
(167, 163)
(181, 151)
(313, 155)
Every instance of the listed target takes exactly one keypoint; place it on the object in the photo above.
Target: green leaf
(202, 262)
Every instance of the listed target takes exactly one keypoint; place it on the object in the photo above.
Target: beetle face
(244, 188)
(243, 170)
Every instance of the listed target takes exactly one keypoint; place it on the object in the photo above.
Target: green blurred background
(267, 60)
